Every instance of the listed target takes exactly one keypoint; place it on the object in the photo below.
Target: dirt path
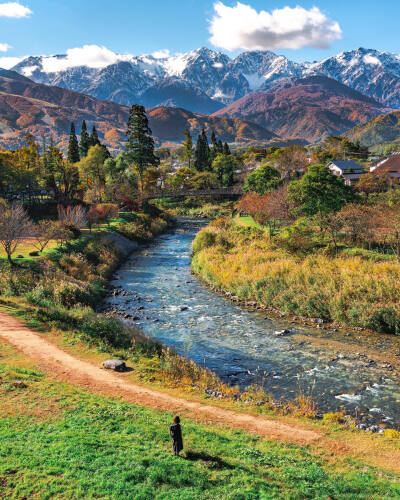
(65, 367)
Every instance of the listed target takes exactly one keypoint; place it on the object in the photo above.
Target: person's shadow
(212, 461)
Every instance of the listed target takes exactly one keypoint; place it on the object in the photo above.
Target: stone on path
(114, 364)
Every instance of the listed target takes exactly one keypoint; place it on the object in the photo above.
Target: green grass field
(59, 442)
(247, 221)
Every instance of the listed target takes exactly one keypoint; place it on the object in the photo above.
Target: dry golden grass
(343, 289)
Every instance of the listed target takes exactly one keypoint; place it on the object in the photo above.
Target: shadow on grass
(212, 461)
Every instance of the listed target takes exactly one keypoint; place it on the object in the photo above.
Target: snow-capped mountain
(204, 80)
(214, 78)
(371, 72)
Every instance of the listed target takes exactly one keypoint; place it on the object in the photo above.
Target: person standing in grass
(175, 432)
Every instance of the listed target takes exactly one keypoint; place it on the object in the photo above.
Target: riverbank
(98, 445)
(248, 266)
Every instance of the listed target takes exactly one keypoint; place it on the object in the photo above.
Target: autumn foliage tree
(272, 207)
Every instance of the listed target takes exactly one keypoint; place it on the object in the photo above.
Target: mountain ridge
(213, 78)
(311, 108)
(29, 107)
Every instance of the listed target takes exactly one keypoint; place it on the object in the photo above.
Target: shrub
(204, 239)
(392, 434)
(110, 331)
(71, 230)
(333, 417)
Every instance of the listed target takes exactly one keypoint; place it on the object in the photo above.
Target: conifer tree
(220, 147)
(202, 153)
(214, 147)
(139, 150)
(226, 150)
(213, 139)
(85, 140)
(188, 148)
(73, 146)
(94, 138)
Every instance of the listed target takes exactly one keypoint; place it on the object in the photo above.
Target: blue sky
(137, 27)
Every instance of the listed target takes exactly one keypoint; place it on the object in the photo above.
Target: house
(349, 170)
(389, 166)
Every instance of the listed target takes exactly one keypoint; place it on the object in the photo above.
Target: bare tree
(44, 232)
(359, 223)
(73, 215)
(14, 226)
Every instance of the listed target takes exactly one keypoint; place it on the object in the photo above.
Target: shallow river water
(171, 305)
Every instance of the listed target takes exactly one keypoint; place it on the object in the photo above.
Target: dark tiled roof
(348, 165)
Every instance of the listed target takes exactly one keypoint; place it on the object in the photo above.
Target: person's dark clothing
(176, 434)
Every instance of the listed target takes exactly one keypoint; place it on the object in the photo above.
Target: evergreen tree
(85, 140)
(139, 148)
(226, 150)
(214, 147)
(202, 153)
(73, 146)
(213, 140)
(188, 148)
(220, 147)
(94, 138)
(224, 166)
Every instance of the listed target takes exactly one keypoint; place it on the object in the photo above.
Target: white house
(349, 170)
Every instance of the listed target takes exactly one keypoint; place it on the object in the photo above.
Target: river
(240, 345)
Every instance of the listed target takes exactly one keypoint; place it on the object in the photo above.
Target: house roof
(346, 165)
(390, 164)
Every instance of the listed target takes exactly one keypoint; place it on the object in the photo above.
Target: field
(25, 247)
(57, 441)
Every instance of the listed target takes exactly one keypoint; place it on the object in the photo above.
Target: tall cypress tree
(84, 144)
(139, 149)
(188, 147)
(94, 138)
(202, 153)
(214, 147)
(227, 151)
(73, 146)
(220, 147)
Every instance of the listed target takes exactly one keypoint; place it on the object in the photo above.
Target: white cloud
(4, 47)
(242, 27)
(9, 62)
(161, 54)
(14, 9)
(92, 56)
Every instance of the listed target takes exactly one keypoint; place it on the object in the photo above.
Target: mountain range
(29, 107)
(310, 108)
(204, 80)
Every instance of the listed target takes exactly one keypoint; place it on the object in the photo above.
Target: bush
(392, 434)
(110, 331)
(72, 229)
(204, 239)
(298, 238)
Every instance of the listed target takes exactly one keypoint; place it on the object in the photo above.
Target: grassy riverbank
(245, 262)
(57, 441)
(58, 292)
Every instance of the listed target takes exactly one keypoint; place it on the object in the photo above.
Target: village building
(389, 166)
(349, 170)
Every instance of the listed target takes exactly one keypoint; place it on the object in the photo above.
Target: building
(389, 166)
(349, 170)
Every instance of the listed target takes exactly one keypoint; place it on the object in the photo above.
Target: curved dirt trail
(61, 365)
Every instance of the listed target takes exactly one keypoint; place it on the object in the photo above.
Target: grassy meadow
(249, 264)
(57, 441)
